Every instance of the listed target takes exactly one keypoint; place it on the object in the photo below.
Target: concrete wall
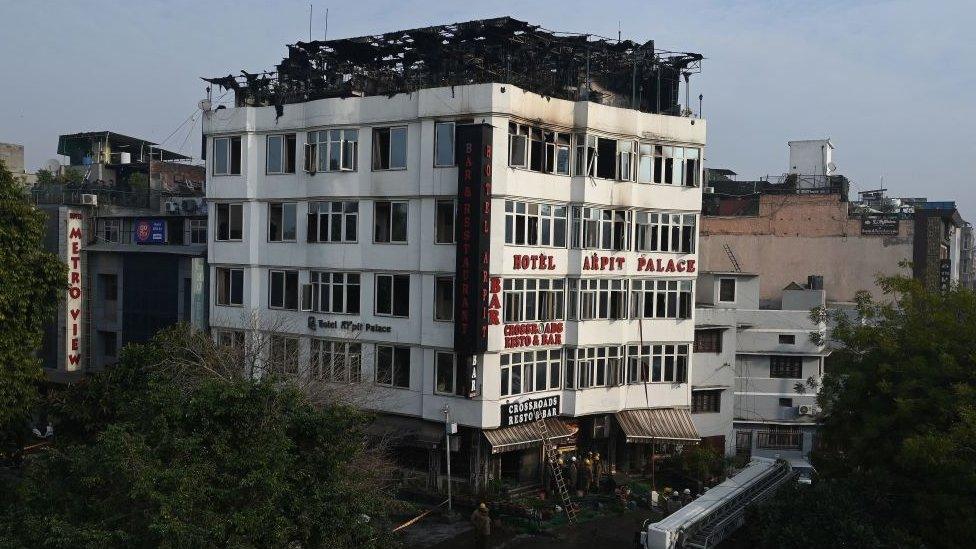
(12, 156)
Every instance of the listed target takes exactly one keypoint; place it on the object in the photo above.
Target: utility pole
(447, 454)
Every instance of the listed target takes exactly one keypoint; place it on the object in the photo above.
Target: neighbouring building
(12, 156)
(757, 371)
(134, 237)
(967, 256)
(496, 234)
(785, 228)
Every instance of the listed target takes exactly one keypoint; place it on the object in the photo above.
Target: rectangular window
(108, 286)
(586, 155)
(538, 299)
(595, 366)
(444, 298)
(230, 222)
(531, 224)
(708, 341)
(390, 222)
(336, 221)
(661, 298)
(393, 366)
(230, 286)
(109, 343)
(111, 230)
(444, 222)
(538, 149)
(665, 232)
(789, 367)
(443, 144)
(787, 339)
(390, 148)
(230, 339)
(335, 293)
(227, 156)
(448, 377)
(198, 231)
(786, 402)
(726, 290)
(530, 371)
(706, 402)
(660, 363)
(780, 438)
(598, 298)
(282, 289)
(393, 295)
(606, 158)
(336, 361)
(283, 354)
(282, 222)
(518, 135)
(281, 154)
(645, 163)
(625, 164)
(600, 229)
(332, 150)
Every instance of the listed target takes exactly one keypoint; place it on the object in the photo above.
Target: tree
(899, 415)
(175, 446)
(31, 279)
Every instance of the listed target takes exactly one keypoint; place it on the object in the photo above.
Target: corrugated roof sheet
(517, 437)
(659, 424)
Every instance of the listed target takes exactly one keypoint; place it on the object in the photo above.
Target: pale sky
(891, 83)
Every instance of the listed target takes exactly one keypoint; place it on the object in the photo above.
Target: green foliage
(31, 278)
(170, 449)
(69, 175)
(899, 417)
(702, 462)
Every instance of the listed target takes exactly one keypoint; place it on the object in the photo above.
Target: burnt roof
(570, 66)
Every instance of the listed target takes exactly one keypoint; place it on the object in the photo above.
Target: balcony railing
(780, 440)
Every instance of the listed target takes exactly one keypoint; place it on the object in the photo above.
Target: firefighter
(587, 474)
(597, 472)
(573, 475)
(482, 526)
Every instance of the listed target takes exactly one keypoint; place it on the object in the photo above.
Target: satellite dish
(204, 105)
(52, 165)
(831, 167)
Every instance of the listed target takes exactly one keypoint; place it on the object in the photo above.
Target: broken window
(538, 149)
(606, 153)
(625, 168)
(390, 148)
(517, 144)
(227, 156)
(665, 232)
(280, 154)
(585, 154)
(645, 163)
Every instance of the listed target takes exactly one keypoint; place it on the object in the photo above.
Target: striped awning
(527, 435)
(658, 425)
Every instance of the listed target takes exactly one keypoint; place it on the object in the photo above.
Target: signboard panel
(517, 413)
(150, 231)
(945, 274)
(74, 227)
(880, 226)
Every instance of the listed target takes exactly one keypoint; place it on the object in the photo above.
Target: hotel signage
(879, 225)
(517, 413)
(74, 227)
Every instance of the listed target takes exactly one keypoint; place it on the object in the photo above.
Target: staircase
(552, 458)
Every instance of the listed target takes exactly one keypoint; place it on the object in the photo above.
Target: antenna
(325, 36)
(310, 22)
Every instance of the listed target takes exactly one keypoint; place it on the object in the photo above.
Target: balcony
(781, 439)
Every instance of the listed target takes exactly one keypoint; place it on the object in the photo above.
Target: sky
(891, 83)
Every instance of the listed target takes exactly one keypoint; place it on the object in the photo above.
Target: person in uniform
(573, 475)
(481, 521)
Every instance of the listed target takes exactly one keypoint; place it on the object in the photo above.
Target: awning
(658, 425)
(518, 437)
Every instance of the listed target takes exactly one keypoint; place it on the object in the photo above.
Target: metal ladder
(552, 458)
(735, 262)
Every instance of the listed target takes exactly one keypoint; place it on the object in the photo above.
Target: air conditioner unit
(805, 410)
(172, 206)
(89, 199)
(709, 190)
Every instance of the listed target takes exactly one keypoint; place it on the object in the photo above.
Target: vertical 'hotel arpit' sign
(473, 243)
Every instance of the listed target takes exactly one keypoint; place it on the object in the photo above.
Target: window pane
(384, 365)
(445, 222)
(384, 294)
(444, 139)
(401, 295)
(274, 154)
(401, 367)
(220, 155)
(444, 373)
(398, 147)
(399, 222)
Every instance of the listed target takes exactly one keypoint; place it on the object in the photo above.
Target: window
(444, 298)
(726, 290)
(230, 339)
(530, 371)
(230, 286)
(664, 232)
(538, 149)
(535, 224)
(336, 221)
(448, 377)
(227, 156)
(780, 438)
(600, 229)
(661, 298)
(393, 295)
(585, 155)
(283, 289)
(706, 402)
(282, 222)
(789, 367)
(283, 354)
(517, 144)
(594, 367)
(787, 339)
(393, 366)
(336, 361)
(230, 222)
(786, 402)
(332, 150)
(657, 364)
(645, 163)
(708, 341)
(677, 165)
(597, 298)
(108, 285)
(111, 230)
(390, 148)
(281, 154)
(336, 293)
(390, 222)
(444, 144)
(198, 231)
(539, 299)
(606, 158)
(444, 222)
(109, 342)
(625, 160)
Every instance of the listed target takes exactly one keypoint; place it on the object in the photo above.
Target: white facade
(421, 184)
(812, 157)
